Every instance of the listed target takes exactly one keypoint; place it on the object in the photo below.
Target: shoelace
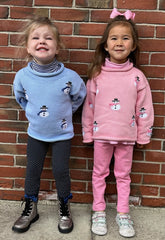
(28, 207)
(64, 211)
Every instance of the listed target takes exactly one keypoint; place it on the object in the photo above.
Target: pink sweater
(118, 106)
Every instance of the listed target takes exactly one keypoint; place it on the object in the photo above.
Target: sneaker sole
(22, 230)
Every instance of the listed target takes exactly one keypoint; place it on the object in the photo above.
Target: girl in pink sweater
(117, 113)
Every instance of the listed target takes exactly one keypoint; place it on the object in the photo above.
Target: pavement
(149, 223)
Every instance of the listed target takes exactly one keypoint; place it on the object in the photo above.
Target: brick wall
(81, 23)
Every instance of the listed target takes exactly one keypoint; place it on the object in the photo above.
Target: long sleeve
(88, 112)
(20, 93)
(145, 114)
(78, 97)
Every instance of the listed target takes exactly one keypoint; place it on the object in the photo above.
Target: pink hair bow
(128, 14)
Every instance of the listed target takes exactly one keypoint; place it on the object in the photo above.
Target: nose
(119, 42)
(42, 41)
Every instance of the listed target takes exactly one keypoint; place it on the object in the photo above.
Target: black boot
(65, 220)
(29, 215)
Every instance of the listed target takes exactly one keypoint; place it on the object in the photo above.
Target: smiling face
(42, 44)
(119, 43)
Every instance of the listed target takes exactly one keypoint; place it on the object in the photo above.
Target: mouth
(42, 49)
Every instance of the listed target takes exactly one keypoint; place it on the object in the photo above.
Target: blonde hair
(34, 23)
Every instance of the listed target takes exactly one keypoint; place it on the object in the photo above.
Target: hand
(140, 146)
(89, 143)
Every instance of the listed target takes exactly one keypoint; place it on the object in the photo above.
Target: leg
(122, 168)
(36, 152)
(60, 165)
(102, 158)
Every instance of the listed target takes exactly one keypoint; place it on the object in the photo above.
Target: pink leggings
(103, 152)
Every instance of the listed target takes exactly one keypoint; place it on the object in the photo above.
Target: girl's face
(42, 45)
(119, 43)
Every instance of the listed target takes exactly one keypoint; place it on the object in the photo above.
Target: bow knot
(128, 14)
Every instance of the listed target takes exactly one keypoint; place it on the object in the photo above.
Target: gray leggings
(36, 153)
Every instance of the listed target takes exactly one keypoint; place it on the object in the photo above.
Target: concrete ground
(149, 223)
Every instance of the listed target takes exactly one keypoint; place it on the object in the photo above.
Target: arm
(88, 113)
(145, 114)
(79, 95)
(19, 92)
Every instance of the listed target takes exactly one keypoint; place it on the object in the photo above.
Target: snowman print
(43, 112)
(137, 80)
(64, 124)
(95, 127)
(142, 113)
(132, 124)
(149, 131)
(115, 104)
(67, 89)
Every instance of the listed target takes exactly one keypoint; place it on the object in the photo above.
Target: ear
(106, 48)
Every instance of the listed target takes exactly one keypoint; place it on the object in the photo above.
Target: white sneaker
(125, 225)
(99, 225)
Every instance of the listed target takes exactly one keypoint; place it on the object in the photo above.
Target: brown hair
(101, 54)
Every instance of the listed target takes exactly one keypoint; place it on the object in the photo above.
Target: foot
(125, 225)
(99, 225)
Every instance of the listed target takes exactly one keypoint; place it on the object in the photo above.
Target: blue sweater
(49, 100)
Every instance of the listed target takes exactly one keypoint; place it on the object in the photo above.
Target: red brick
(8, 114)
(158, 59)
(25, 13)
(80, 175)
(159, 121)
(160, 32)
(10, 25)
(81, 69)
(145, 167)
(12, 172)
(154, 179)
(6, 160)
(158, 97)
(7, 78)
(70, 15)
(155, 156)
(6, 183)
(157, 84)
(153, 202)
(151, 17)
(75, 42)
(4, 11)
(89, 29)
(11, 195)
(154, 72)
(159, 108)
(162, 192)
(17, 2)
(3, 39)
(8, 137)
(54, 3)
(94, 4)
(159, 133)
(131, 4)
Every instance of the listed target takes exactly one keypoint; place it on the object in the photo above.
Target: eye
(126, 38)
(35, 38)
(113, 38)
(48, 38)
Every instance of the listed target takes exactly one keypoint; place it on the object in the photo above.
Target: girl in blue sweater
(49, 93)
